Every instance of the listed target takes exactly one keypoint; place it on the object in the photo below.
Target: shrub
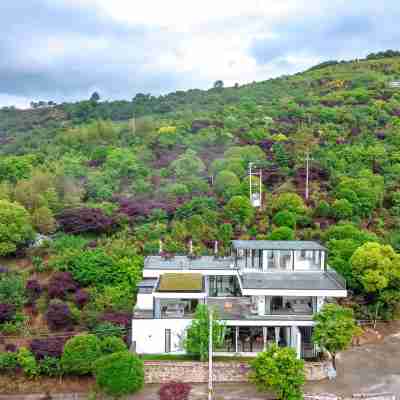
(284, 218)
(118, 318)
(342, 209)
(105, 329)
(282, 233)
(280, 370)
(119, 373)
(289, 201)
(50, 366)
(12, 289)
(60, 284)
(16, 227)
(174, 391)
(81, 298)
(33, 290)
(27, 362)
(83, 220)
(7, 312)
(80, 352)
(51, 347)
(112, 344)
(8, 362)
(58, 315)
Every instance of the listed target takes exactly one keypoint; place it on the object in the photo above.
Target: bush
(12, 289)
(7, 312)
(80, 352)
(282, 233)
(112, 344)
(279, 369)
(342, 209)
(81, 298)
(58, 315)
(119, 374)
(174, 391)
(105, 329)
(82, 220)
(27, 362)
(8, 362)
(284, 218)
(51, 347)
(16, 227)
(50, 366)
(33, 290)
(60, 284)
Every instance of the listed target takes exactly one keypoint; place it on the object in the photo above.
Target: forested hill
(113, 178)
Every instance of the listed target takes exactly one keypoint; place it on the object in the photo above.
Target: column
(237, 339)
(265, 334)
(277, 334)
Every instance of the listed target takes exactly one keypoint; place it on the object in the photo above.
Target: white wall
(149, 334)
(144, 301)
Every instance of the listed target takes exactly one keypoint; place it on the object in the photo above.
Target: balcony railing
(336, 277)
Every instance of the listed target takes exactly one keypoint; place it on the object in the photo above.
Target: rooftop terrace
(185, 262)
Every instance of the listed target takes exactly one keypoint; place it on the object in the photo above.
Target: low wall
(197, 372)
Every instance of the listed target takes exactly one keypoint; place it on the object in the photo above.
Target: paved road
(369, 368)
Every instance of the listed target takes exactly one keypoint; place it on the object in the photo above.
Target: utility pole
(210, 351)
(251, 197)
(260, 187)
(307, 173)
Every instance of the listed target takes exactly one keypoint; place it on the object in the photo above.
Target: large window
(178, 308)
(281, 305)
(223, 286)
(279, 260)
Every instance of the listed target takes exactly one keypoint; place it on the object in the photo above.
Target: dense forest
(104, 182)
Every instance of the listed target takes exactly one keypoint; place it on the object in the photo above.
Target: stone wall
(197, 372)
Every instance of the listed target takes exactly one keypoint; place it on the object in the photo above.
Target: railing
(336, 277)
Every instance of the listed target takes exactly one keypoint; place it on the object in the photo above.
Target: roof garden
(171, 282)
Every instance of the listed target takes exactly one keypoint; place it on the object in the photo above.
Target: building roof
(184, 262)
(290, 281)
(277, 245)
(178, 282)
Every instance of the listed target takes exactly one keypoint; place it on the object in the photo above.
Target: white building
(265, 292)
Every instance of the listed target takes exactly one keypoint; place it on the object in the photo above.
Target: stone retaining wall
(197, 372)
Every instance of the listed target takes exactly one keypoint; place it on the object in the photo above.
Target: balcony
(242, 308)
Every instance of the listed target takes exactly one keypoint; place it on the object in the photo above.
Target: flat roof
(277, 245)
(179, 282)
(184, 262)
(290, 281)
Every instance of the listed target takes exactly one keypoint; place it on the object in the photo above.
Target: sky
(64, 50)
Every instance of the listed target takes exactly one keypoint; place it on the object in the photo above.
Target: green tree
(279, 369)
(226, 183)
(282, 233)
(119, 374)
(290, 202)
(342, 209)
(377, 268)
(80, 352)
(15, 227)
(43, 220)
(239, 210)
(284, 218)
(334, 329)
(188, 165)
(197, 335)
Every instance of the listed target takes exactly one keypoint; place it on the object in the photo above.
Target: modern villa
(266, 292)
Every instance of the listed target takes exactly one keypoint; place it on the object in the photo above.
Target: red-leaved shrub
(7, 312)
(60, 284)
(58, 316)
(49, 347)
(174, 391)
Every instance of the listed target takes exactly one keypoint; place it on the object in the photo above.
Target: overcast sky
(64, 50)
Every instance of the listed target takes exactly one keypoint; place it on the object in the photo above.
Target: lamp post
(210, 350)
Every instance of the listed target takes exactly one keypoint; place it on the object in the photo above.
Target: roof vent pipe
(191, 246)
(216, 247)
(160, 246)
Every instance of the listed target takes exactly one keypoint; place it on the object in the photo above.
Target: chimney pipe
(160, 245)
(190, 246)
(216, 247)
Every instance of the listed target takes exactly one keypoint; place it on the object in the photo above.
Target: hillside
(112, 179)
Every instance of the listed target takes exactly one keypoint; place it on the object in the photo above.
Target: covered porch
(250, 340)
